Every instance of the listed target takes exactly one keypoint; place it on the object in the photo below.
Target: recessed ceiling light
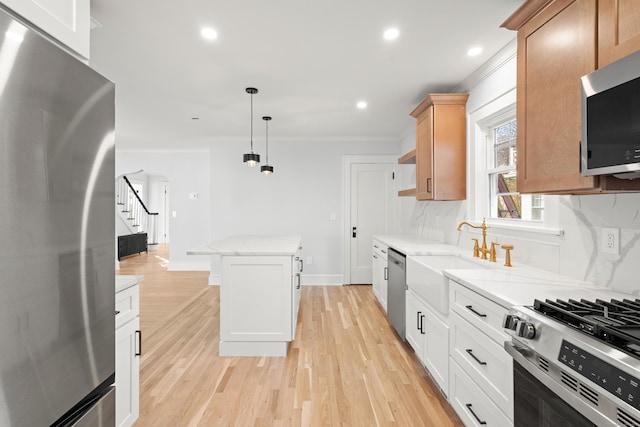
(391, 34)
(474, 51)
(361, 105)
(209, 33)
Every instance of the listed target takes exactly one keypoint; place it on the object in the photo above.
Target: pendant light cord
(267, 162)
(251, 122)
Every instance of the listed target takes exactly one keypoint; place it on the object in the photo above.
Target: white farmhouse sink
(425, 277)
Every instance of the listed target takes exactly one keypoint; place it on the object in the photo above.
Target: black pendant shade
(251, 158)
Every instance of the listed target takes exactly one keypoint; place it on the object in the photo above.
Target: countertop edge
(127, 281)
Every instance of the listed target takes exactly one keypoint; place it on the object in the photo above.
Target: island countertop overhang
(251, 245)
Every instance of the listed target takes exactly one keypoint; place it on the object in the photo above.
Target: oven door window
(537, 406)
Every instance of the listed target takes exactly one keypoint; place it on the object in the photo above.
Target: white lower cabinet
(428, 335)
(471, 404)
(127, 373)
(481, 376)
(128, 351)
(259, 302)
(436, 353)
(415, 322)
(380, 272)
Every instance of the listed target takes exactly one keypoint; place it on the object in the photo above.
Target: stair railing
(136, 210)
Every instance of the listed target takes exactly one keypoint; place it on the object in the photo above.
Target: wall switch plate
(332, 216)
(309, 260)
(611, 241)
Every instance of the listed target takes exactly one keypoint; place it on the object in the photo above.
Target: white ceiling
(311, 61)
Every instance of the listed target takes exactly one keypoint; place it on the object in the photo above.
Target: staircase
(134, 211)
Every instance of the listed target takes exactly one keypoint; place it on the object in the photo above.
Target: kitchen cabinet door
(555, 49)
(424, 155)
(127, 373)
(256, 299)
(436, 353)
(415, 323)
(618, 29)
(441, 154)
(66, 21)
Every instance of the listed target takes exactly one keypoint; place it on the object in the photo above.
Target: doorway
(369, 190)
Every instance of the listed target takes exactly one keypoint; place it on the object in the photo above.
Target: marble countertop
(409, 245)
(506, 286)
(124, 281)
(251, 245)
(509, 288)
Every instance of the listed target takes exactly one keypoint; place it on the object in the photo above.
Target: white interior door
(371, 212)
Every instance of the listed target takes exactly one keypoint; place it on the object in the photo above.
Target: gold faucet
(483, 249)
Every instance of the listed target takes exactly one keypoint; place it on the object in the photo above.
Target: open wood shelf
(408, 192)
(408, 159)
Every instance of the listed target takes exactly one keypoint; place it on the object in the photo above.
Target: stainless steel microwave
(611, 119)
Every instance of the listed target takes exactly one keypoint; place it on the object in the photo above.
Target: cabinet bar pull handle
(386, 273)
(422, 325)
(301, 265)
(468, 405)
(139, 351)
(375, 256)
(470, 351)
(375, 246)
(428, 185)
(117, 312)
(470, 308)
(418, 320)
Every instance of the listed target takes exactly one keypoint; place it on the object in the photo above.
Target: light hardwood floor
(346, 366)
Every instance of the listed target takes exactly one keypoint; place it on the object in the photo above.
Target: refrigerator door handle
(139, 336)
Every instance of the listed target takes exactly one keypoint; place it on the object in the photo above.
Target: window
(504, 199)
(493, 186)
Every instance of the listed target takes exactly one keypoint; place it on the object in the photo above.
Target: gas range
(587, 352)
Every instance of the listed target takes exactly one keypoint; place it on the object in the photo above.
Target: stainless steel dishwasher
(396, 287)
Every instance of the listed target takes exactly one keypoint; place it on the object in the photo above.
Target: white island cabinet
(128, 349)
(259, 294)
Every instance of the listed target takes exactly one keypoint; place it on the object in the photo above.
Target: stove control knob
(525, 329)
(510, 321)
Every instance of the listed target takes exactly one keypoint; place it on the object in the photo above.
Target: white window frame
(494, 112)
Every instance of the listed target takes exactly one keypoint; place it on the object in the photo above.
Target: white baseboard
(189, 266)
(322, 280)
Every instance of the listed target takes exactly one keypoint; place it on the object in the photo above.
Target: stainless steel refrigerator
(57, 237)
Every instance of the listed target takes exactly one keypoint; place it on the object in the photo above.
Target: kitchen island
(259, 293)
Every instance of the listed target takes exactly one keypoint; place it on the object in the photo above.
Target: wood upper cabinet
(441, 147)
(618, 29)
(557, 45)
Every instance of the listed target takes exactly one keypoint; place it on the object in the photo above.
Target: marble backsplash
(576, 252)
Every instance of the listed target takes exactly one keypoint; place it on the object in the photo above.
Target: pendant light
(267, 169)
(251, 158)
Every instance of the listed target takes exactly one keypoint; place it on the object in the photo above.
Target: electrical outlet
(309, 260)
(611, 241)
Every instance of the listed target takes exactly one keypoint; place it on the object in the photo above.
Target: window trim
(499, 109)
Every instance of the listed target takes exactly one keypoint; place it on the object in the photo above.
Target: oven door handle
(521, 355)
